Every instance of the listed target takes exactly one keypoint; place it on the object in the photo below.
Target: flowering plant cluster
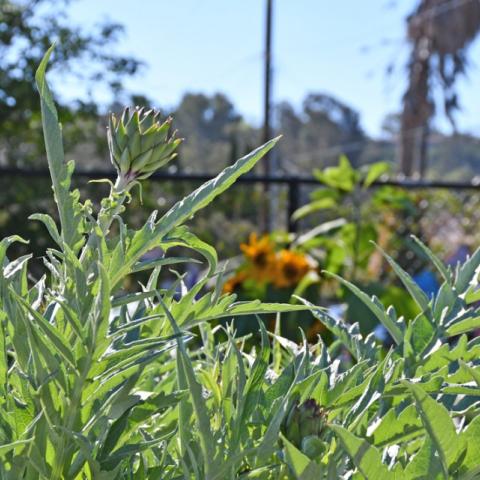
(266, 264)
(273, 271)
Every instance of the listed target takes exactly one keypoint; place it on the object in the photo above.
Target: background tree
(440, 32)
(314, 138)
(215, 132)
(27, 29)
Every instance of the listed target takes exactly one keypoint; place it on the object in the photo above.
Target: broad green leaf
(132, 298)
(301, 466)
(425, 464)
(472, 295)
(6, 448)
(342, 176)
(273, 429)
(471, 437)
(130, 450)
(151, 264)
(375, 171)
(473, 372)
(250, 395)
(321, 204)
(464, 326)
(371, 394)
(347, 381)
(52, 334)
(3, 354)
(364, 455)
(349, 335)
(5, 243)
(419, 335)
(439, 426)
(447, 306)
(467, 274)
(155, 404)
(394, 428)
(256, 307)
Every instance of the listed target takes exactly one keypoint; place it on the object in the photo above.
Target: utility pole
(268, 80)
(267, 129)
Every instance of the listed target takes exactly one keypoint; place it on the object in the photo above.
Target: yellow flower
(261, 255)
(234, 282)
(315, 329)
(291, 267)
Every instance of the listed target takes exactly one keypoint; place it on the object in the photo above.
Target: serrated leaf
(60, 343)
(49, 223)
(395, 428)
(364, 455)
(425, 464)
(463, 326)
(439, 426)
(467, 274)
(471, 437)
(374, 307)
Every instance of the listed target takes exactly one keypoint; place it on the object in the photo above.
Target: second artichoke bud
(303, 421)
(139, 144)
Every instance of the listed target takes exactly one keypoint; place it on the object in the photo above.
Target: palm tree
(440, 31)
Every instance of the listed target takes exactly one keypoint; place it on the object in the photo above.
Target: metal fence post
(293, 204)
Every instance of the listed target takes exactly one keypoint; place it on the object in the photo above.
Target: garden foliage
(99, 384)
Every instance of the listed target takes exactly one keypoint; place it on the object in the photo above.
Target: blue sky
(341, 47)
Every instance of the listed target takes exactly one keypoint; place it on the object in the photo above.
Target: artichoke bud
(313, 447)
(304, 420)
(139, 144)
(142, 160)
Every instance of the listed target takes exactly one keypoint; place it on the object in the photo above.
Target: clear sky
(340, 47)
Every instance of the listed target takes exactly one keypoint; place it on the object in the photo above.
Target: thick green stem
(114, 205)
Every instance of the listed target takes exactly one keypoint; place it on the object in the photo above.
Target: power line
(240, 64)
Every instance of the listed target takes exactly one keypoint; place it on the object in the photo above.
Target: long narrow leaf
(207, 441)
(59, 170)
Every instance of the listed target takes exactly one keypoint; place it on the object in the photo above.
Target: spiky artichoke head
(304, 420)
(139, 144)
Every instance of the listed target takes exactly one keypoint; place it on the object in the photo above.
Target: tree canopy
(27, 29)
